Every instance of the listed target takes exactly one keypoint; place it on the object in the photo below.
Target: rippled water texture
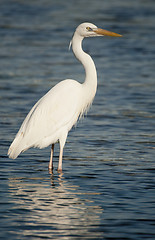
(106, 190)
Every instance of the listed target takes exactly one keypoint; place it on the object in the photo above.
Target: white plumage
(55, 113)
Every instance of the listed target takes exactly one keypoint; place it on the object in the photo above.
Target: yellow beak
(104, 32)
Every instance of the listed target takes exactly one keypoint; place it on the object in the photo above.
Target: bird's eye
(89, 28)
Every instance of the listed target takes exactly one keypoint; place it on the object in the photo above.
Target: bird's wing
(56, 110)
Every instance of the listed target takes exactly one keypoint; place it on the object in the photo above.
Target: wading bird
(52, 117)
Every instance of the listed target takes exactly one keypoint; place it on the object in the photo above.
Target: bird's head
(90, 30)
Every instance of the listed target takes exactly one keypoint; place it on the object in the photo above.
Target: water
(106, 190)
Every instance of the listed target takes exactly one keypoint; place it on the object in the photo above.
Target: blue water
(106, 190)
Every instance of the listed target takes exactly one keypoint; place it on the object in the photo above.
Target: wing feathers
(58, 109)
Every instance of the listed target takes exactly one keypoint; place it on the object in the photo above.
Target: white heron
(52, 117)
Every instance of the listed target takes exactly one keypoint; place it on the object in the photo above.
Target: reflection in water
(53, 211)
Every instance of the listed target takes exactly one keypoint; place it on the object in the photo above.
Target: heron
(53, 116)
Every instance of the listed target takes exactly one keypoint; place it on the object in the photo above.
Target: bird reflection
(54, 206)
(53, 177)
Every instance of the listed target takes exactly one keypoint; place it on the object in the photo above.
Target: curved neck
(87, 62)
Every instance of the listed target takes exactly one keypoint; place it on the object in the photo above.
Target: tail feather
(15, 149)
(13, 153)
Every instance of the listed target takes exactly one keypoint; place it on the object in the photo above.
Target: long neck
(90, 82)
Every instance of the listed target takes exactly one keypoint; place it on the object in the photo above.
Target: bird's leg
(60, 160)
(62, 141)
(50, 166)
